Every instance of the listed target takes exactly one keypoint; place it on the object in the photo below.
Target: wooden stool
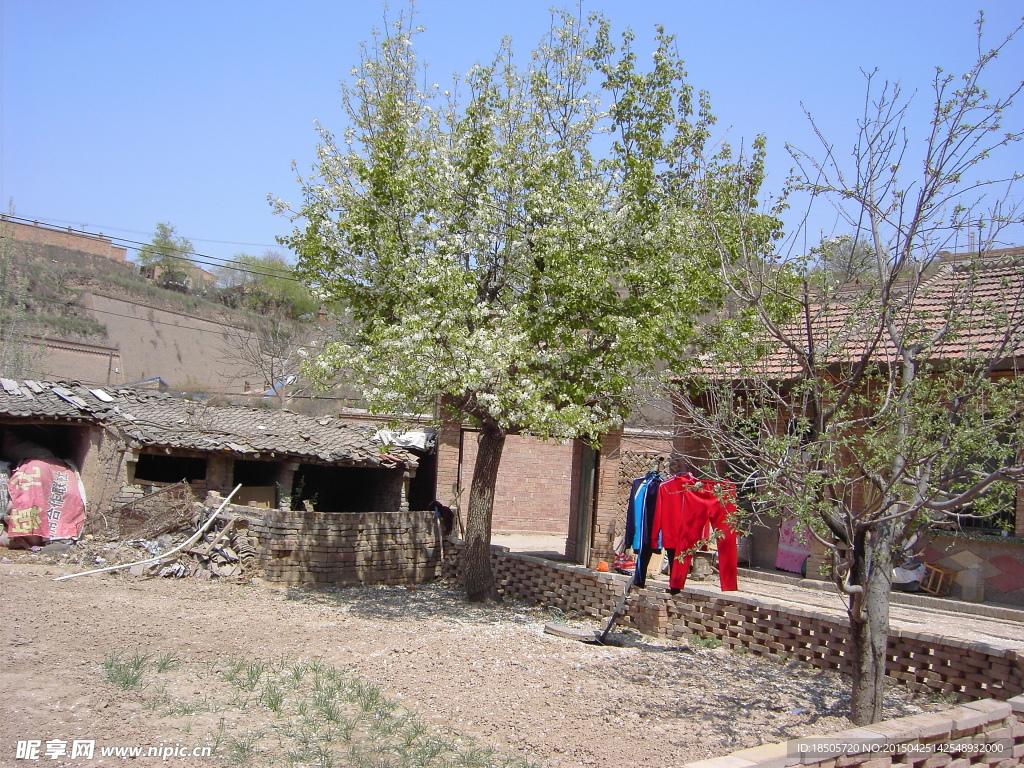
(937, 580)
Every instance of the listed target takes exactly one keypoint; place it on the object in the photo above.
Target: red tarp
(47, 500)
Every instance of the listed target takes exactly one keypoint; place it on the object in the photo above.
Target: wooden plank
(571, 633)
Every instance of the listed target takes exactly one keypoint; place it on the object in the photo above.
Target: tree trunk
(869, 631)
(477, 577)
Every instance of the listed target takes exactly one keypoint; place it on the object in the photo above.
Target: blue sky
(117, 114)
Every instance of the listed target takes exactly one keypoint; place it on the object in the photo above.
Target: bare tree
(272, 351)
(875, 397)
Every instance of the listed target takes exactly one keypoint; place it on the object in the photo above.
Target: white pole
(191, 540)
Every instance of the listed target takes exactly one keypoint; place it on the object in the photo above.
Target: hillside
(92, 317)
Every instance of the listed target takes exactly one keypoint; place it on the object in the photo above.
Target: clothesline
(673, 514)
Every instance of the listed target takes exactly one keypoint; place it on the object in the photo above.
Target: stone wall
(348, 548)
(924, 662)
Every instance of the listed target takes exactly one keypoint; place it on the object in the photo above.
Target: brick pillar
(220, 473)
(285, 481)
(574, 501)
(1019, 528)
(609, 519)
(449, 460)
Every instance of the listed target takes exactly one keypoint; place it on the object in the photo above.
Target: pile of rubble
(156, 527)
(225, 550)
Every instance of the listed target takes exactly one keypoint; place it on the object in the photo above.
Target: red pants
(685, 509)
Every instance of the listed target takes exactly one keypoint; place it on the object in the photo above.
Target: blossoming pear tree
(521, 245)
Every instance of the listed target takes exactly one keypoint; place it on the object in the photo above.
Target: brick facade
(538, 481)
(43, 235)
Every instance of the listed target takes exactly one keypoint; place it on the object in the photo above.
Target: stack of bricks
(924, 662)
(348, 548)
(130, 493)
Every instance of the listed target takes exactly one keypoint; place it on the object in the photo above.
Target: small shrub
(704, 643)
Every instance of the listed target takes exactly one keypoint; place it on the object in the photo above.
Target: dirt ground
(267, 675)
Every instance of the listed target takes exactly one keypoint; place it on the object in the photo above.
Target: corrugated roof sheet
(157, 419)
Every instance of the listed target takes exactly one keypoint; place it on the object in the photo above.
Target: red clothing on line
(685, 508)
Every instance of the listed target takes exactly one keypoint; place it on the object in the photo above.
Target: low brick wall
(921, 661)
(983, 732)
(348, 548)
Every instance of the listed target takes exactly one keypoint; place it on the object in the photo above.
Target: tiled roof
(983, 298)
(156, 419)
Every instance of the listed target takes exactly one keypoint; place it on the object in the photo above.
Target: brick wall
(348, 548)
(89, 362)
(66, 240)
(220, 473)
(536, 482)
(449, 457)
(924, 662)
(609, 514)
(983, 733)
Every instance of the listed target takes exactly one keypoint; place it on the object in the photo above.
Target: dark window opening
(64, 442)
(423, 487)
(999, 508)
(995, 510)
(255, 473)
(155, 468)
(259, 483)
(342, 489)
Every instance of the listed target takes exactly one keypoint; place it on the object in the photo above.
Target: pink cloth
(794, 545)
(46, 500)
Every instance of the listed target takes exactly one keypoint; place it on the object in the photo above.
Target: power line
(138, 232)
(137, 245)
(44, 299)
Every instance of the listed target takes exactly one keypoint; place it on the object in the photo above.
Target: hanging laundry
(794, 545)
(643, 499)
(686, 508)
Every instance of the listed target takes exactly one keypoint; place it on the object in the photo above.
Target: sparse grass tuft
(123, 670)
(322, 717)
(161, 698)
(166, 661)
(189, 707)
(242, 749)
(272, 697)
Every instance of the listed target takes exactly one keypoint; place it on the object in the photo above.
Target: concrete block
(996, 710)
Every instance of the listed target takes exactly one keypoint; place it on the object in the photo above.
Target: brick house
(569, 489)
(990, 291)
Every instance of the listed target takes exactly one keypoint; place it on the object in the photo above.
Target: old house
(127, 442)
(985, 298)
